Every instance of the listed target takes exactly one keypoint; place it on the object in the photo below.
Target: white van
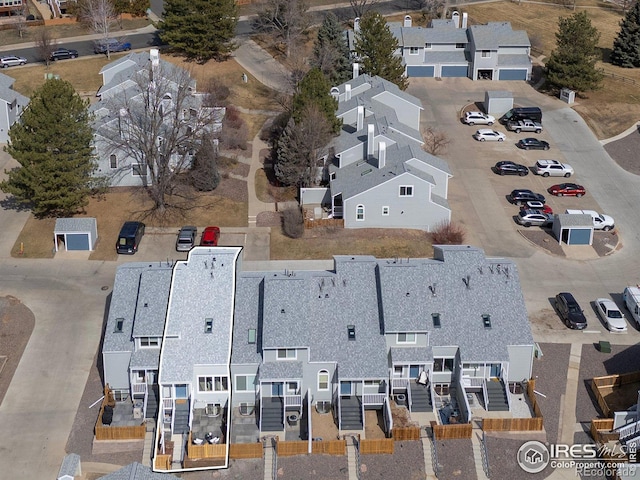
(631, 298)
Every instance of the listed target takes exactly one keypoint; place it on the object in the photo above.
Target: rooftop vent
(467, 281)
(119, 325)
(486, 320)
(252, 335)
(436, 320)
(432, 289)
(208, 325)
(351, 332)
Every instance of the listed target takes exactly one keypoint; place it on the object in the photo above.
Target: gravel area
(406, 463)
(604, 243)
(625, 152)
(503, 451)
(269, 219)
(316, 467)
(455, 457)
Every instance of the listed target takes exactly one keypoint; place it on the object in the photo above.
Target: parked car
(523, 195)
(527, 218)
(478, 118)
(63, 53)
(11, 61)
(532, 143)
(552, 168)
(487, 134)
(186, 238)
(112, 45)
(567, 190)
(570, 311)
(535, 205)
(210, 236)
(524, 126)
(129, 239)
(522, 113)
(611, 315)
(600, 220)
(507, 167)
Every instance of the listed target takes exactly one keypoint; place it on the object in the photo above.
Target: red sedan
(210, 237)
(567, 189)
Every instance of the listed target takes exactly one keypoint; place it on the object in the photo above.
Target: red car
(540, 206)
(567, 189)
(210, 236)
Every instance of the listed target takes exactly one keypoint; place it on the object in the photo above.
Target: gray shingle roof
(521, 60)
(368, 87)
(497, 34)
(247, 312)
(137, 471)
(6, 80)
(148, 358)
(281, 370)
(68, 225)
(9, 96)
(201, 288)
(418, 36)
(411, 354)
(574, 220)
(152, 303)
(455, 57)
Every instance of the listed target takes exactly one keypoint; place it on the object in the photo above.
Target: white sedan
(487, 134)
(611, 315)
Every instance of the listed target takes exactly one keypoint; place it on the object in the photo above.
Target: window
(286, 354)
(443, 364)
(397, 370)
(406, 338)
(486, 53)
(460, 45)
(205, 384)
(372, 383)
(120, 395)
(385, 211)
(332, 176)
(486, 320)
(245, 383)
(119, 325)
(139, 170)
(413, 50)
(113, 161)
(406, 190)
(323, 380)
(436, 320)
(208, 325)
(146, 342)
(360, 213)
(252, 335)
(427, 46)
(210, 384)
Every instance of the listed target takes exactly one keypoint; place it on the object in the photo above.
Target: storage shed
(498, 102)
(70, 468)
(75, 233)
(573, 229)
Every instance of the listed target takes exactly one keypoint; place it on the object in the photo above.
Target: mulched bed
(625, 152)
(269, 219)
(407, 462)
(456, 459)
(544, 239)
(16, 326)
(233, 189)
(240, 169)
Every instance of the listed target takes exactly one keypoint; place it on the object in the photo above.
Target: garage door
(420, 71)
(579, 236)
(512, 75)
(77, 241)
(454, 71)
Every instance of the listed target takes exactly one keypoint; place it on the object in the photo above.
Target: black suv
(523, 196)
(129, 239)
(570, 312)
(63, 53)
(507, 167)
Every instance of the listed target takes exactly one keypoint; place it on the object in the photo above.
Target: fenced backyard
(115, 432)
(616, 392)
(518, 424)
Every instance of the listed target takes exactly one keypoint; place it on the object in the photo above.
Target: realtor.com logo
(587, 459)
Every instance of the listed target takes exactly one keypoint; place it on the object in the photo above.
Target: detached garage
(573, 229)
(75, 234)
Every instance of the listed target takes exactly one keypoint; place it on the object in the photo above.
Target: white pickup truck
(524, 126)
(600, 221)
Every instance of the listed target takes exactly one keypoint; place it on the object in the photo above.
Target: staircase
(497, 396)
(420, 397)
(272, 416)
(351, 413)
(181, 420)
(152, 401)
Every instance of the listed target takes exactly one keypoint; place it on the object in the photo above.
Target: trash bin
(401, 400)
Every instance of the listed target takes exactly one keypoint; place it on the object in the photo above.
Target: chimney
(347, 92)
(455, 16)
(382, 154)
(356, 69)
(356, 24)
(370, 133)
(154, 54)
(464, 19)
(360, 120)
(407, 21)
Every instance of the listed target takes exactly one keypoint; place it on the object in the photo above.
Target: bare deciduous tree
(45, 44)
(20, 19)
(99, 16)
(156, 123)
(436, 141)
(360, 7)
(287, 19)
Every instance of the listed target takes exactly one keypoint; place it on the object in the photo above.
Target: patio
(204, 424)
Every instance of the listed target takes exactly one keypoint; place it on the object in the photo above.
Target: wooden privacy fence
(288, 449)
(108, 432)
(376, 446)
(330, 447)
(601, 430)
(163, 462)
(518, 424)
(611, 381)
(451, 432)
(245, 450)
(531, 387)
(405, 433)
(206, 450)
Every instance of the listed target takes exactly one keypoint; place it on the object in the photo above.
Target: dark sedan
(532, 143)
(522, 196)
(567, 190)
(507, 167)
(570, 312)
(62, 54)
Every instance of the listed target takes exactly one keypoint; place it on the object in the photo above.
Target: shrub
(293, 222)
(447, 233)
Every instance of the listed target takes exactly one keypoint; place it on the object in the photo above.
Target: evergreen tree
(205, 176)
(314, 89)
(626, 47)
(375, 46)
(331, 51)
(200, 29)
(573, 63)
(53, 144)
